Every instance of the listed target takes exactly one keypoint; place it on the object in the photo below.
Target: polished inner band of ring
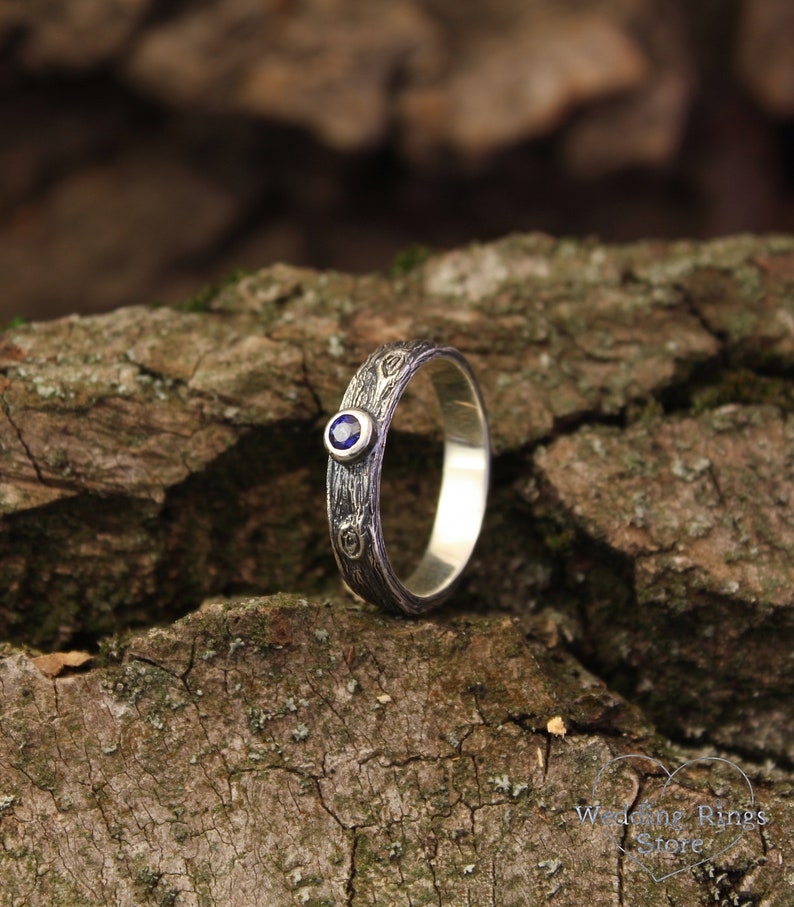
(461, 499)
(354, 476)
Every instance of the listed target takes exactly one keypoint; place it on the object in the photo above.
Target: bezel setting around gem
(349, 435)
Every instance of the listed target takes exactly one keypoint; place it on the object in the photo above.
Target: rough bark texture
(196, 431)
(295, 751)
(270, 752)
(701, 508)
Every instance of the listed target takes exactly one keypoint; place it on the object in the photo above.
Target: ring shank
(464, 482)
(354, 488)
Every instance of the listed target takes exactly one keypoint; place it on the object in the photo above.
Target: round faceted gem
(344, 432)
(349, 435)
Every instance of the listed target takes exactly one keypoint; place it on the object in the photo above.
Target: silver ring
(355, 439)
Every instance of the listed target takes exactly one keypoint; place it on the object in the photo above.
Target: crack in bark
(350, 886)
(18, 432)
(309, 384)
(691, 306)
(431, 862)
(621, 855)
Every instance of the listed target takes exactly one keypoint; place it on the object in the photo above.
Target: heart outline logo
(670, 777)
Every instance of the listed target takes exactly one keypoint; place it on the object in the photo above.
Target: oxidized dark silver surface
(354, 477)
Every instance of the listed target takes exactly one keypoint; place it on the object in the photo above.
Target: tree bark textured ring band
(355, 439)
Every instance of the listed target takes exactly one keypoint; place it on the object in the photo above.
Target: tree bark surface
(275, 751)
(300, 749)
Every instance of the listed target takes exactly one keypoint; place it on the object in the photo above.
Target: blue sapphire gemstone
(344, 432)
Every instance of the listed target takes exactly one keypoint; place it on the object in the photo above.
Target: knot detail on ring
(351, 541)
(391, 363)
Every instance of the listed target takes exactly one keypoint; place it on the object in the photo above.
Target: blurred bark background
(149, 147)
